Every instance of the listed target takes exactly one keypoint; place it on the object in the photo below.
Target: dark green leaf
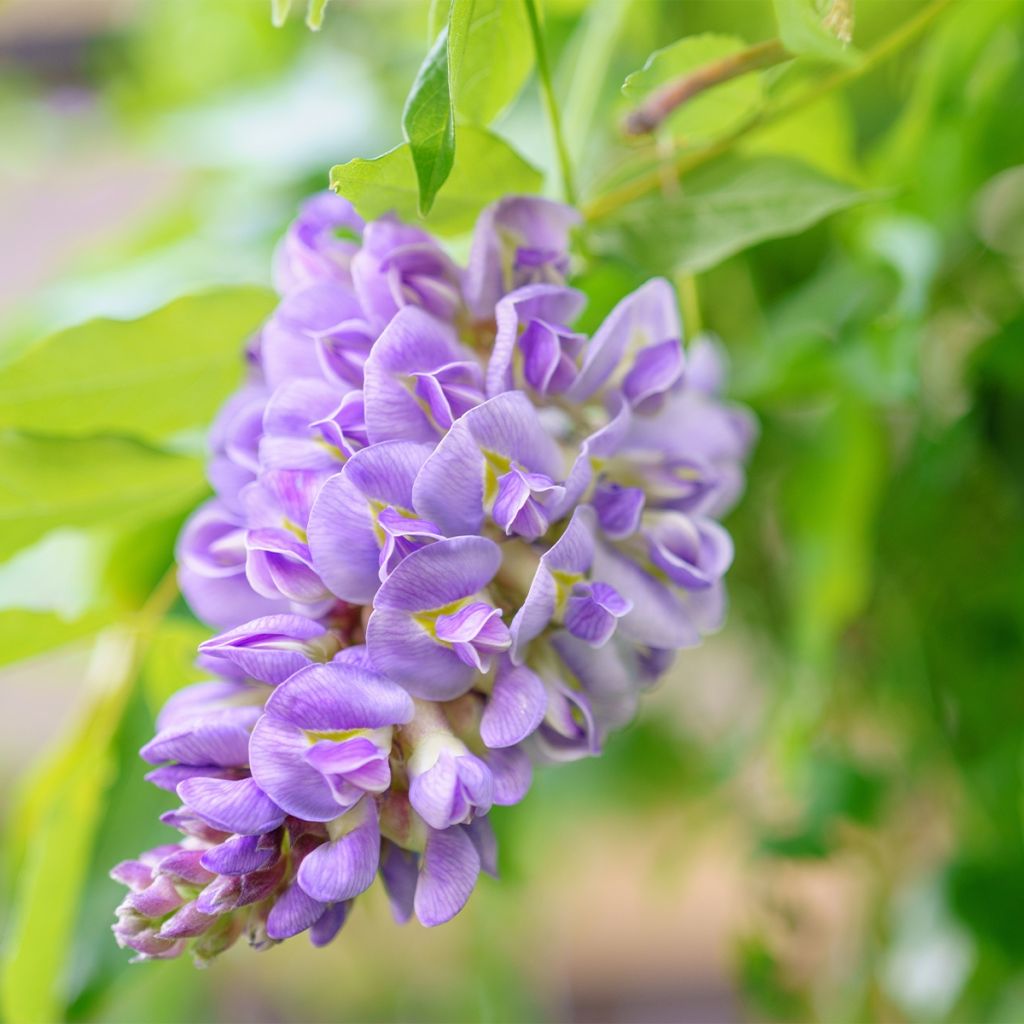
(724, 209)
(149, 377)
(486, 167)
(428, 123)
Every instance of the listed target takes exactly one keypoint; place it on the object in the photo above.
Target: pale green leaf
(804, 33)
(51, 839)
(485, 168)
(819, 134)
(724, 209)
(491, 56)
(50, 482)
(149, 377)
(708, 114)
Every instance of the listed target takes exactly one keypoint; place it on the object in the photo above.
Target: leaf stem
(649, 115)
(652, 180)
(548, 91)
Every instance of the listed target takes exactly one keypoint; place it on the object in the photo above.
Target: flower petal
(448, 874)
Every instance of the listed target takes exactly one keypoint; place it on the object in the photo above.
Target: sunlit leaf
(51, 482)
(486, 167)
(491, 39)
(724, 209)
(710, 113)
(149, 377)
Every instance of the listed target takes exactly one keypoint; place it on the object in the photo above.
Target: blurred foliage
(859, 249)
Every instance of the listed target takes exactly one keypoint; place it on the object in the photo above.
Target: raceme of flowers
(452, 537)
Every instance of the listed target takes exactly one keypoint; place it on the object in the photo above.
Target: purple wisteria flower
(451, 536)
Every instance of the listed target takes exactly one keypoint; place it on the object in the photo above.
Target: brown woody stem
(652, 112)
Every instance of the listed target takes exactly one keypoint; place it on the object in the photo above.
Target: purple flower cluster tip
(452, 536)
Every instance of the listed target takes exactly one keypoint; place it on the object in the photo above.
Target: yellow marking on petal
(294, 529)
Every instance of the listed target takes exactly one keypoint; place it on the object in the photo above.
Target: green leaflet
(151, 377)
(722, 210)
(46, 483)
(485, 168)
(428, 123)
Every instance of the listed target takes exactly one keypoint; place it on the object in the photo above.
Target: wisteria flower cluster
(452, 536)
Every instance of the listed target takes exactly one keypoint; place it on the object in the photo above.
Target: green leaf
(149, 377)
(491, 56)
(428, 123)
(804, 34)
(722, 210)
(24, 634)
(486, 168)
(711, 113)
(820, 134)
(51, 840)
(50, 482)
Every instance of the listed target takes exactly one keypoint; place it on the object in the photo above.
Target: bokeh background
(819, 815)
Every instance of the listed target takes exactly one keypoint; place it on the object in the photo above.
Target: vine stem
(548, 91)
(652, 180)
(647, 117)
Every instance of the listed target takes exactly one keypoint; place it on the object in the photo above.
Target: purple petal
(344, 867)
(516, 706)
(512, 773)
(293, 912)
(452, 485)
(399, 869)
(231, 806)
(404, 650)
(330, 924)
(271, 648)
(342, 538)
(438, 575)
(693, 553)
(240, 855)
(569, 557)
(339, 696)
(618, 509)
(655, 371)
(518, 240)
(481, 832)
(448, 874)
(593, 610)
(658, 617)
(186, 923)
(412, 343)
(645, 317)
(452, 790)
(222, 739)
(544, 302)
(278, 756)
